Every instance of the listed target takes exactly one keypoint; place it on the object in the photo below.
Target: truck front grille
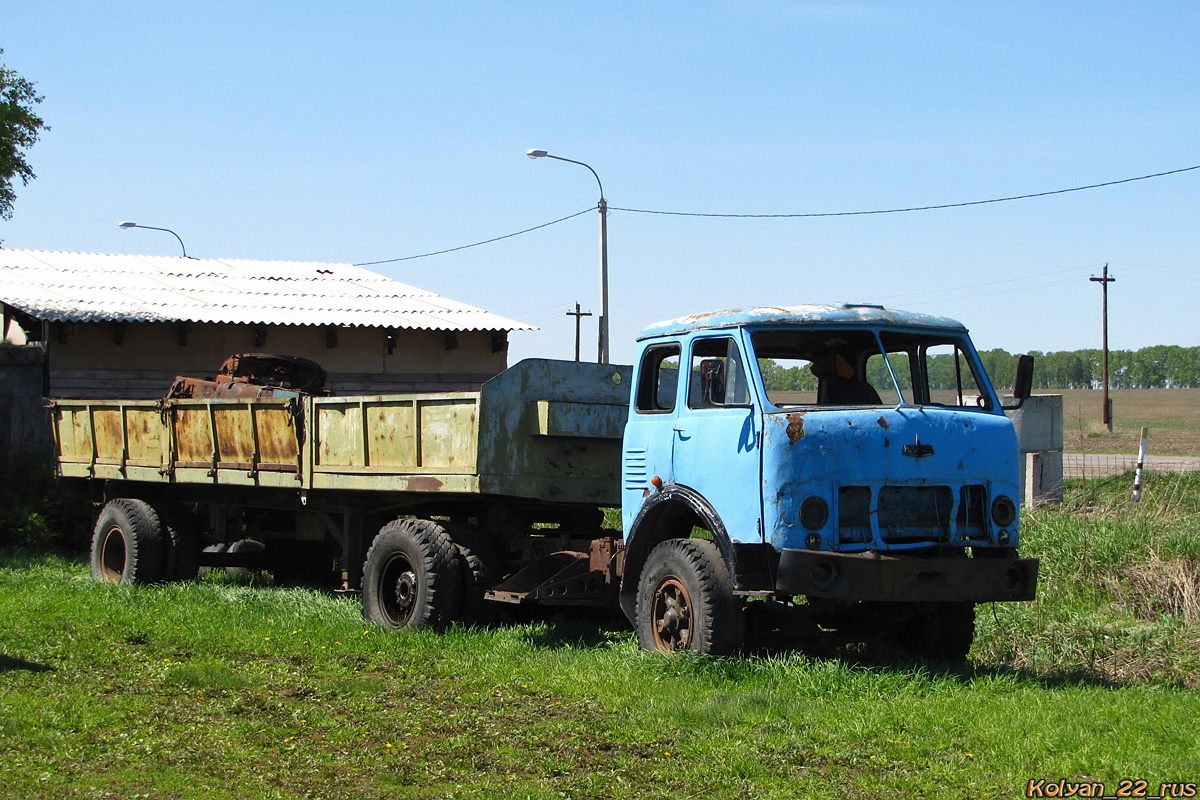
(911, 514)
(915, 513)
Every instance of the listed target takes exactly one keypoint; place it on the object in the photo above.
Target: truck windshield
(840, 367)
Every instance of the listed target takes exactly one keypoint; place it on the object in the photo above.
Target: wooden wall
(139, 360)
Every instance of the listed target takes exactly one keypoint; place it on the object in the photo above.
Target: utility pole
(577, 314)
(1104, 282)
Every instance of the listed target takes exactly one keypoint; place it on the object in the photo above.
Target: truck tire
(685, 600)
(127, 545)
(937, 632)
(244, 546)
(412, 577)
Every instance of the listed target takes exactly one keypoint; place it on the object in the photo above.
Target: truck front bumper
(875, 577)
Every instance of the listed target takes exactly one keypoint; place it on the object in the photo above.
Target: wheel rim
(398, 590)
(112, 555)
(672, 615)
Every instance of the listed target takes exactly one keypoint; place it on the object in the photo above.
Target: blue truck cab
(834, 468)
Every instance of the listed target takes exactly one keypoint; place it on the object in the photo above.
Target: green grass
(217, 689)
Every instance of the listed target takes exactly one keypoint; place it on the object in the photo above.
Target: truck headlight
(1004, 511)
(814, 513)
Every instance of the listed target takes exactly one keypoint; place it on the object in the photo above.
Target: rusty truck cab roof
(850, 314)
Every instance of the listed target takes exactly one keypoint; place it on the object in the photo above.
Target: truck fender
(669, 514)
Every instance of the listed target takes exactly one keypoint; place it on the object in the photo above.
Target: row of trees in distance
(1158, 367)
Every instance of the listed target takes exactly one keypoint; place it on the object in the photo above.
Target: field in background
(1173, 416)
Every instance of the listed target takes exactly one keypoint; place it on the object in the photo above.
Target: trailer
(780, 472)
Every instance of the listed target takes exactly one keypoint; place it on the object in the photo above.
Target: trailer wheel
(479, 563)
(181, 542)
(127, 546)
(412, 577)
(685, 600)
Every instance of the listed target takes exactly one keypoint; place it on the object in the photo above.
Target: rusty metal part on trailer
(254, 375)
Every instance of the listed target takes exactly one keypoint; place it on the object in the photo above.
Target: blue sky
(361, 131)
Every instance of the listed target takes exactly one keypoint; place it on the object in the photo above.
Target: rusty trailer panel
(551, 430)
(409, 443)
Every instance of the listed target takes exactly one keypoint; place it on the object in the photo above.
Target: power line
(1019, 279)
(785, 216)
(912, 208)
(476, 244)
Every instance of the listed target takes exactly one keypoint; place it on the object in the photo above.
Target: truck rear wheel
(127, 545)
(412, 577)
(685, 600)
(938, 631)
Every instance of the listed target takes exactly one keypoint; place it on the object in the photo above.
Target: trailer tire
(181, 543)
(685, 600)
(412, 576)
(127, 545)
(478, 563)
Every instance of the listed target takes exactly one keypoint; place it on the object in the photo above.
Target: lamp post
(128, 225)
(602, 207)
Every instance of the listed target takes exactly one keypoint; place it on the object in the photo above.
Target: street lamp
(128, 225)
(602, 206)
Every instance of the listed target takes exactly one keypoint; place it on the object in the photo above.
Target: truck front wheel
(412, 577)
(685, 600)
(127, 546)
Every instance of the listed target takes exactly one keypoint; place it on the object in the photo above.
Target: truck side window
(951, 379)
(880, 378)
(717, 377)
(658, 379)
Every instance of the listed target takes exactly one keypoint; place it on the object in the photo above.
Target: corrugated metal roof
(92, 287)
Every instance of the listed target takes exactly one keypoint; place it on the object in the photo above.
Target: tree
(19, 130)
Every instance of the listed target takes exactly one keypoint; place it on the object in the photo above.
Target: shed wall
(24, 422)
(87, 361)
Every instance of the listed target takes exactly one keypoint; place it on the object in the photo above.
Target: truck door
(646, 449)
(717, 435)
